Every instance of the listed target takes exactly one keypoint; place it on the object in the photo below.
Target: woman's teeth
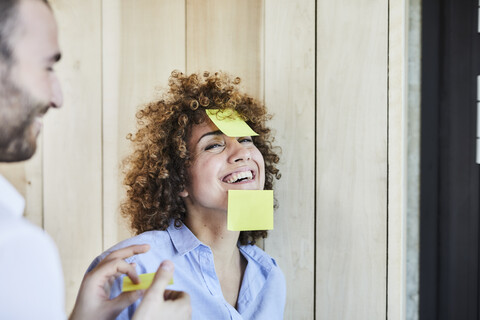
(239, 176)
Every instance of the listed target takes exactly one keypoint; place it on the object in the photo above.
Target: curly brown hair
(156, 172)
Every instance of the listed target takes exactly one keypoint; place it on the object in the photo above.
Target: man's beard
(18, 132)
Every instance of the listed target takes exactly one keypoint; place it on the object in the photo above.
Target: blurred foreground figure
(32, 282)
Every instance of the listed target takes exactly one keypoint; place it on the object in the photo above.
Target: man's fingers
(181, 302)
(128, 251)
(166, 304)
(124, 300)
(161, 279)
(175, 295)
(115, 268)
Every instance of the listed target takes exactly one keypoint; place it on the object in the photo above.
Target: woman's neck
(211, 229)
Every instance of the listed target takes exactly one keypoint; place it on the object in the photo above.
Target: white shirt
(31, 280)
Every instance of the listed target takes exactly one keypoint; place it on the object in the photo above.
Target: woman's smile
(241, 176)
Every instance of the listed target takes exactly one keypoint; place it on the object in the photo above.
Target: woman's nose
(238, 151)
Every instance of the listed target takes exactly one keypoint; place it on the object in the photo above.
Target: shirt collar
(183, 239)
(256, 274)
(11, 202)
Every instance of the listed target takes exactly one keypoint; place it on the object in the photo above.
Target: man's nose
(56, 99)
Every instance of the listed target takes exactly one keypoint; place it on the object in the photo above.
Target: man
(32, 284)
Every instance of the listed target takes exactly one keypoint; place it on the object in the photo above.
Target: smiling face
(28, 84)
(220, 163)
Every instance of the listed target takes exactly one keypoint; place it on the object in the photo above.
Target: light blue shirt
(262, 294)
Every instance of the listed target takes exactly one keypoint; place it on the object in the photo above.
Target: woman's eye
(214, 146)
(245, 140)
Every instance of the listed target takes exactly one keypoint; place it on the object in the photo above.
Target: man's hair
(8, 16)
(8, 19)
(156, 171)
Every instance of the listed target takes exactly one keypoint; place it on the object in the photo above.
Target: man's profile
(28, 84)
(32, 281)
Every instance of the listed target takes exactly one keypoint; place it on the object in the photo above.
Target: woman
(177, 182)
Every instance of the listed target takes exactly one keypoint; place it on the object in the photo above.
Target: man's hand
(93, 300)
(159, 303)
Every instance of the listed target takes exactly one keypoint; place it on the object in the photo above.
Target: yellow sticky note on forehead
(146, 280)
(250, 210)
(230, 123)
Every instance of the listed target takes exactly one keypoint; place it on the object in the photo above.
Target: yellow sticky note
(230, 123)
(250, 210)
(146, 280)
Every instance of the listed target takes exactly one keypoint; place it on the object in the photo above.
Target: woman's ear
(183, 193)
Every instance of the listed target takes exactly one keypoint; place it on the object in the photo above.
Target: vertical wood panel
(72, 144)
(227, 35)
(397, 160)
(142, 45)
(290, 95)
(351, 159)
(271, 47)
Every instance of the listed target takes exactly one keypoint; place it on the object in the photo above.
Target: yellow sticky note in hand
(230, 123)
(250, 210)
(146, 280)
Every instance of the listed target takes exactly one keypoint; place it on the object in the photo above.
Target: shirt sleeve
(31, 274)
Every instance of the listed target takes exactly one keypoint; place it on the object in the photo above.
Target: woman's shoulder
(153, 238)
(159, 242)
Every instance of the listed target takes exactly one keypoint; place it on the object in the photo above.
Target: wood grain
(290, 96)
(397, 153)
(73, 144)
(142, 44)
(335, 91)
(351, 193)
(227, 35)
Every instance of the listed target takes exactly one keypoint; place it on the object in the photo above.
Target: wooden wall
(322, 67)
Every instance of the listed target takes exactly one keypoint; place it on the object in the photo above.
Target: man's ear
(183, 193)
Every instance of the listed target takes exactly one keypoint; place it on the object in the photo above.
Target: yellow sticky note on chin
(230, 123)
(146, 280)
(250, 210)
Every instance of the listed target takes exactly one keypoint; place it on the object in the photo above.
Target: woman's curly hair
(156, 172)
